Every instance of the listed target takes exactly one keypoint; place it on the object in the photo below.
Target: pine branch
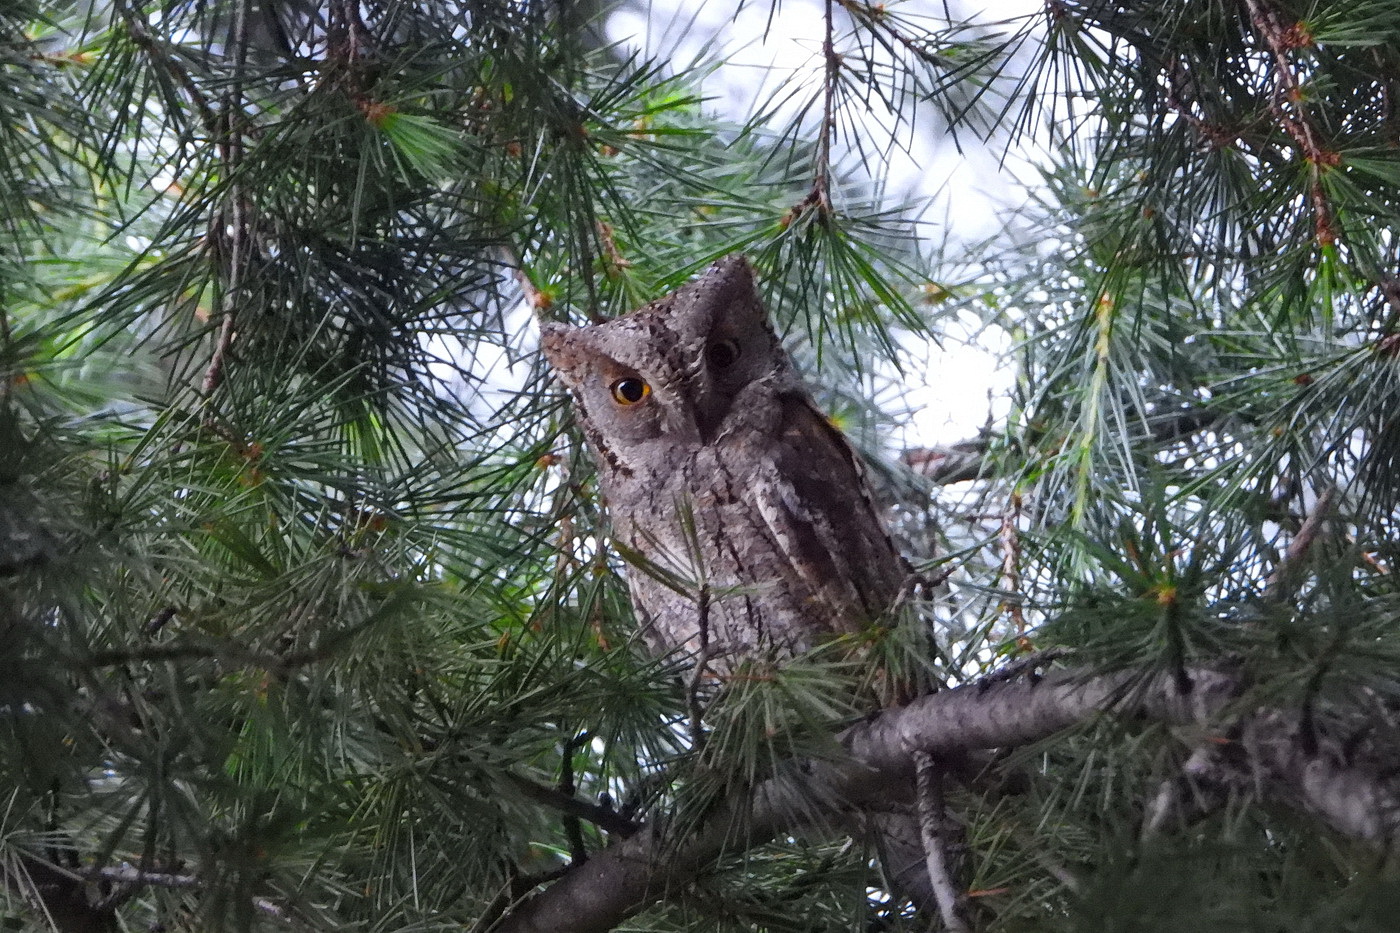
(603, 817)
(1291, 111)
(1353, 799)
(1285, 576)
(60, 896)
(161, 57)
(932, 816)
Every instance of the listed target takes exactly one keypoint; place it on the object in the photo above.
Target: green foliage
(307, 608)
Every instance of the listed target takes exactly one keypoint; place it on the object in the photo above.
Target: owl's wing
(819, 511)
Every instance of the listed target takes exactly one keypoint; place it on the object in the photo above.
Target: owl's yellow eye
(630, 390)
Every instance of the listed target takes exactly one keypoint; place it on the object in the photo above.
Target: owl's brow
(664, 339)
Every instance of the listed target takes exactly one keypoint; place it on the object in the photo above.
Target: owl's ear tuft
(722, 300)
(729, 278)
(555, 344)
(566, 353)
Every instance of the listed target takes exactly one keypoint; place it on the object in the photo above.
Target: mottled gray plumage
(723, 471)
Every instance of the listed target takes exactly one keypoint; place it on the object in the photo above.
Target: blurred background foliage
(307, 615)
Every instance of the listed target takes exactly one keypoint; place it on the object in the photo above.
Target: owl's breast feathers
(827, 522)
(775, 518)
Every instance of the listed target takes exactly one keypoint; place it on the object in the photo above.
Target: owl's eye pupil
(630, 390)
(722, 353)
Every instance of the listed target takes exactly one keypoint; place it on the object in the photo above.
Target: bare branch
(599, 894)
(654, 863)
(932, 815)
(1011, 566)
(831, 61)
(1285, 576)
(946, 464)
(603, 817)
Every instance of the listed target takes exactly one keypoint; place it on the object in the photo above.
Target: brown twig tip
(1278, 585)
(1289, 105)
(1297, 36)
(831, 64)
(537, 298)
(613, 260)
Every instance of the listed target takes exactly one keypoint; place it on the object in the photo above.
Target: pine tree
(308, 617)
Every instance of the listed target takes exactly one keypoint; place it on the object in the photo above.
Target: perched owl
(719, 471)
(758, 534)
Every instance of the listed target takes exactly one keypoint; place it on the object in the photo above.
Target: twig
(578, 852)
(1288, 93)
(945, 464)
(821, 185)
(613, 260)
(1022, 665)
(1216, 137)
(61, 895)
(1010, 539)
(1278, 585)
(232, 221)
(697, 674)
(876, 16)
(157, 53)
(130, 877)
(129, 874)
(604, 818)
(929, 785)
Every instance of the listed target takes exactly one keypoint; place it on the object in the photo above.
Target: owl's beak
(708, 414)
(683, 417)
(690, 414)
(707, 431)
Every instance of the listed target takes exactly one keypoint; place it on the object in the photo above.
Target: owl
(748, 522)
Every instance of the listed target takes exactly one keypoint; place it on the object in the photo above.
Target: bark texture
(1270, 753)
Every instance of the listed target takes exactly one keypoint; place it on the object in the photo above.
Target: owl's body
(753, 529)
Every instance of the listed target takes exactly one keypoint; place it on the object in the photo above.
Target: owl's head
(673, 368)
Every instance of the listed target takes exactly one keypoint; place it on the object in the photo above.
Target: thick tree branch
(597, 895)
(945, 464)
(656, 863)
